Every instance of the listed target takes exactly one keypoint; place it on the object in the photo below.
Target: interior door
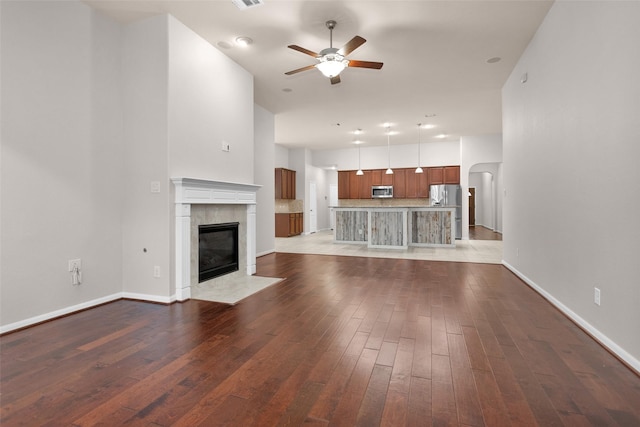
(313, 205)
(472, 206)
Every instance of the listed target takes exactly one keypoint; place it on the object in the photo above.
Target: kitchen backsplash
(381, 203)
(288, 206)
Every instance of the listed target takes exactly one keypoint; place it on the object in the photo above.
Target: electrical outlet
(596, 296)
(156, 271)
(75, 265)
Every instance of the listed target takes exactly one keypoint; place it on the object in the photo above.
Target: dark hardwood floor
(478, 232)
(342, 341)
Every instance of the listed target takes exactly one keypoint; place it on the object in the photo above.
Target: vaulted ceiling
(440, 60)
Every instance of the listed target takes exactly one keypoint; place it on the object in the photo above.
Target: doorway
(313, 204)
(472, 206)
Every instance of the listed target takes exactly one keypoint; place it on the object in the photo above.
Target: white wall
(210, 101)
(146, 217)
(281, 157)
(264, 153)
(94, 112)
(61, 162)
(401, 156)
(571, 167)
(182, 99)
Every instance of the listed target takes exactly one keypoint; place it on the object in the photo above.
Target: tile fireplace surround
(227, 196)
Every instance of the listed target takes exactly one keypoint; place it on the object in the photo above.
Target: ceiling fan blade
(365, 64)
(303, 50)
(308, 67)
(351, 45)
(335, 80)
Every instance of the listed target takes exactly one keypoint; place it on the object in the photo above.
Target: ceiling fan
(332, 61)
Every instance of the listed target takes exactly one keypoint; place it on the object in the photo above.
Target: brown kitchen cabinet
(364, 187)
(354, 185)
(343, 184)
(400, 184)
(435, 175)
(411, 183)
(376, 176)
(422, 184)
(406, 182)
(451, 174)
(285, 183)
(289, 224)
(444, 175)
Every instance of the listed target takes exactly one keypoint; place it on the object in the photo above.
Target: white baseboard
(83, 306)
(149, 298)
(590, 329)
(270, 251)
(57, 313)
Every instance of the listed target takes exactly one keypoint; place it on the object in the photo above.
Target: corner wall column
(251, 239)
(183, 251)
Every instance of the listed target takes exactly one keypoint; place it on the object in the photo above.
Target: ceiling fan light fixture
(332, 65)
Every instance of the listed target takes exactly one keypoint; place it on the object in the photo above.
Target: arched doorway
(485, 201)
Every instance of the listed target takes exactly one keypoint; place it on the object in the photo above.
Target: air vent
(246, 4)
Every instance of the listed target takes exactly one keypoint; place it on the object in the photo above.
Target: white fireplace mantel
(191, 191)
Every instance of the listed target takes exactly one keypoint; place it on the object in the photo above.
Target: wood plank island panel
(388, 228)
(432, 227)
(352, 225)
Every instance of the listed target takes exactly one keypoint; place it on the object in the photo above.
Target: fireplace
(217, 250)
(200, 202)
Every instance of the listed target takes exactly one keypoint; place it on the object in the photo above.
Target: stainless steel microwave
(381, 191)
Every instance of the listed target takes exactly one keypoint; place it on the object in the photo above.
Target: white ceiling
(434, 52)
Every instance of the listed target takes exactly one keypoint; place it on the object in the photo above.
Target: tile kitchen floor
(480, 251)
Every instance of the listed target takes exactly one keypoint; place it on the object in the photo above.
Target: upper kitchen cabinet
(285, 184)
(417, 184)
(435, 175)
(452, 175)
(400, 183)
(364, 189)
(343, 184)
(422, 184)
(443, 175)
(376, 176)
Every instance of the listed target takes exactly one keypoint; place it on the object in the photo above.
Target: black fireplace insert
(217, 250)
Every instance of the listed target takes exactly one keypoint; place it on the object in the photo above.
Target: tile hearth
(232, 290)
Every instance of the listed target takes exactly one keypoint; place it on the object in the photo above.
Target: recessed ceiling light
(494, 60)
(428, 126)
(243, 41)
(358, 142)
(357, 131)
(442, 135)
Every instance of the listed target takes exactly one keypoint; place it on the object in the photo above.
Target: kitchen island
(396, 227)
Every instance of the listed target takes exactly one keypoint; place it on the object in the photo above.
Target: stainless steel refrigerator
(450, 196)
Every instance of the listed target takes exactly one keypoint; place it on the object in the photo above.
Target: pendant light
(389, 170)
(419, 169)
(359, 172)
